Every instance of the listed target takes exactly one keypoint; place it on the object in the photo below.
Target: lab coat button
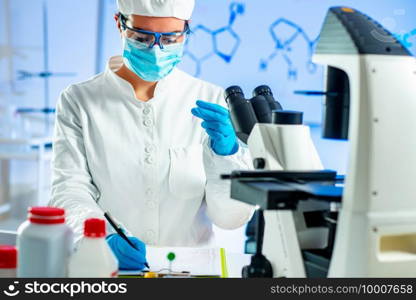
(146, 111)
(148, 123)
(149, 192)
(151, 204)
(149, 149)
(150, 160)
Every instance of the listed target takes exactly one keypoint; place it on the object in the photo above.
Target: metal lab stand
(33, 150)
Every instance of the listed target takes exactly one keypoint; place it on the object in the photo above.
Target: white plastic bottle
(93, 258)
(44, 244)
(8, 261)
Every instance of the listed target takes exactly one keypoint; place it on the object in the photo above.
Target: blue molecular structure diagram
(407, 37)
(284, 33)
(224, 41)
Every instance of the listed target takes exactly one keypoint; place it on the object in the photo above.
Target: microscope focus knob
(259, 163)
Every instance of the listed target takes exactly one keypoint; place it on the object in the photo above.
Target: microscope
(312, 222)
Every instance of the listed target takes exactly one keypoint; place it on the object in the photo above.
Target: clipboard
(189, 263)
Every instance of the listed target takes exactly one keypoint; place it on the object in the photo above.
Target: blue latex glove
(128, 257)
(217, 124)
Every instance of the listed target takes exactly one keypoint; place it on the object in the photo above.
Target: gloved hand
(217, 124)
(128, 257)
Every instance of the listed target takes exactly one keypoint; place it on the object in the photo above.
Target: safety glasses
(151, 38)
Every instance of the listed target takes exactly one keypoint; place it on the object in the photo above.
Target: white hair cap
(181, 9)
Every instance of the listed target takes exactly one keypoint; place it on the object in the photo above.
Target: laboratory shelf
(28, 141)
(27, 155)
(34, 148)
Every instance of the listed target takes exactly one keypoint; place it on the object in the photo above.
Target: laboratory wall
(46, 45)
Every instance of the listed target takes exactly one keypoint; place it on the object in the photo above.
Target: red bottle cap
(8, 257)
(94, 228)
(46, 215)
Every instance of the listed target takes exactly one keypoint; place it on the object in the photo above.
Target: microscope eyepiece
(233, 90)
(242, 114)
(262, 109)
(266, 92)
(262, 90)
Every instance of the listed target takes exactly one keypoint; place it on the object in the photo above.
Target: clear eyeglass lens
(147, 39)
(169, 40)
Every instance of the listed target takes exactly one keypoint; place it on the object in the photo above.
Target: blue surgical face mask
(151, 64)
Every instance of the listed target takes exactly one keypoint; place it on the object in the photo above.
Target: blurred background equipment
(45, 45)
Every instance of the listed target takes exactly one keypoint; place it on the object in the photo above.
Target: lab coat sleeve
(225, 212)
(72, 185)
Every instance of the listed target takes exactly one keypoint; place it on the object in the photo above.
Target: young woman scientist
(135, 141)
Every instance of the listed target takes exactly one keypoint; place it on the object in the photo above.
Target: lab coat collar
(125, 88)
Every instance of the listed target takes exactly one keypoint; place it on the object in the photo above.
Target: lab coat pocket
(187, 177)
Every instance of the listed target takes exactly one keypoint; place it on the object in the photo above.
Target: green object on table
(171, 256)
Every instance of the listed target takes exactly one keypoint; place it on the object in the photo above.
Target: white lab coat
(148, 163)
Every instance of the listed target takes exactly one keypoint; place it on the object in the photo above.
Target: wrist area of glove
(227, 149)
